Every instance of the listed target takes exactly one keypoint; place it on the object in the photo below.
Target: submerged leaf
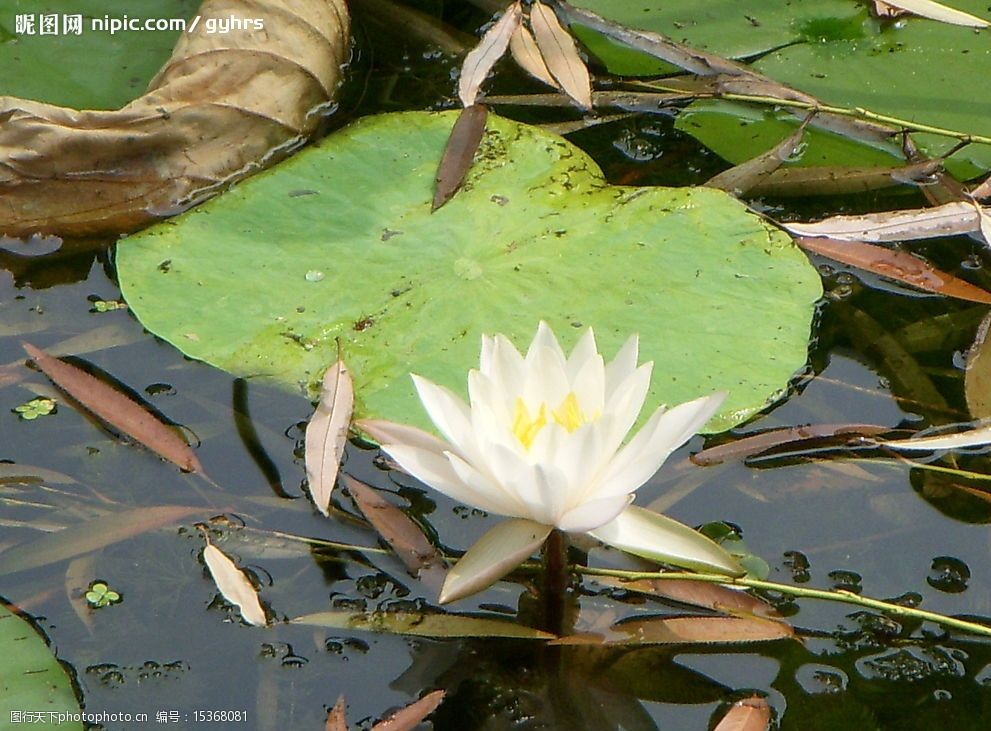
(977, 376)
(560, 54)
(483, 57)
(408, 718)
(91, 535)
(223, 106)
(234, 585)
(459, 153)
(327, 432)
(897, 265)
(117, 410)
(749, 714)
(423, 625)
(398, 530)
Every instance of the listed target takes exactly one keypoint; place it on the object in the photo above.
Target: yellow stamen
(525, 427)
(568, 414)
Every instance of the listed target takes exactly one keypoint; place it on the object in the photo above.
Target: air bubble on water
(314, 275)
(816, 678)
(948, 574)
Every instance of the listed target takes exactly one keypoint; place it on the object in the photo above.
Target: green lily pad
(915, 69)
(32, 680)
(94, 69)
(728, 28)
(720, 300)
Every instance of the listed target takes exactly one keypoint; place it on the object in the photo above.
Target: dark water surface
(168, 646)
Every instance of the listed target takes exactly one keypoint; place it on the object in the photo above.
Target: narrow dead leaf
(802, 181)
(754, 444)
(459, 153)
(978, 437)
(117, 410)
(749, 714)
(527, 56)
(234, 585)
(560, 54)
(937, 11)
(408, 718)
(400, 532)
(480, 60)
(673, 630)
(223, 106)
(950, 219)
(977, 376)
(983, 190)
(701, 594)
(91, 535)
(327, 433)
(741, 178)
(984, 219)
(337, 719)
(423, 625)
(898, 265)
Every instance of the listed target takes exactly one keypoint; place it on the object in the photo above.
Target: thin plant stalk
(555, 581)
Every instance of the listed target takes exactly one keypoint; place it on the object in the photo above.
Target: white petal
(487, 354)
(488, 402)
(507, 368)
(589, 385)
(450, 415)
(435, 470)
(494, 555)
(389, 432)
(659, 538)
(544, 339)
(664, 432)
(581, 457)
(620, 367)
(624, 405)
(594, 514)
(546, 381)
(583, 351)
(502, 500)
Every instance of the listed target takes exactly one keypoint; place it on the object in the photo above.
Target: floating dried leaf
(937, 11)
(327, 432)
(749, 714)
(753, 444)
(741, 178)
(674, 630)
(423, 625)
(561, 55)
(459, 153)
(480, 60)
(117, 410)
(337, 719)
(234, 585)
(406, 719)
(958, 217)
(699, 593)
(527, 56)
(978, 437)
(897, 265)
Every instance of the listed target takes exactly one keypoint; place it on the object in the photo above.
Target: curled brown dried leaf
(224, 105)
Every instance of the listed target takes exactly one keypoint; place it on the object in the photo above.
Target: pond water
(881, 354)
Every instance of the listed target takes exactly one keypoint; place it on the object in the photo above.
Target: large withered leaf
(327, 432)
(222, 107)
(560, 54)
(234, 585)
(897, 265)
(749, 714)
(483, 57)
(117, 410)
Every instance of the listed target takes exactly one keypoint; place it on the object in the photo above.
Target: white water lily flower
(542, 442)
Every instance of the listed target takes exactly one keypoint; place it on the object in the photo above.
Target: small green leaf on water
(34, 408)
(101, 595)
(101, 305)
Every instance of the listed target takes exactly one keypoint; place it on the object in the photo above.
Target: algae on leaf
(31, 679)
(721, 301)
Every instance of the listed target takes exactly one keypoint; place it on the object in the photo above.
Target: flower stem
(556, 579)
(834, 595)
